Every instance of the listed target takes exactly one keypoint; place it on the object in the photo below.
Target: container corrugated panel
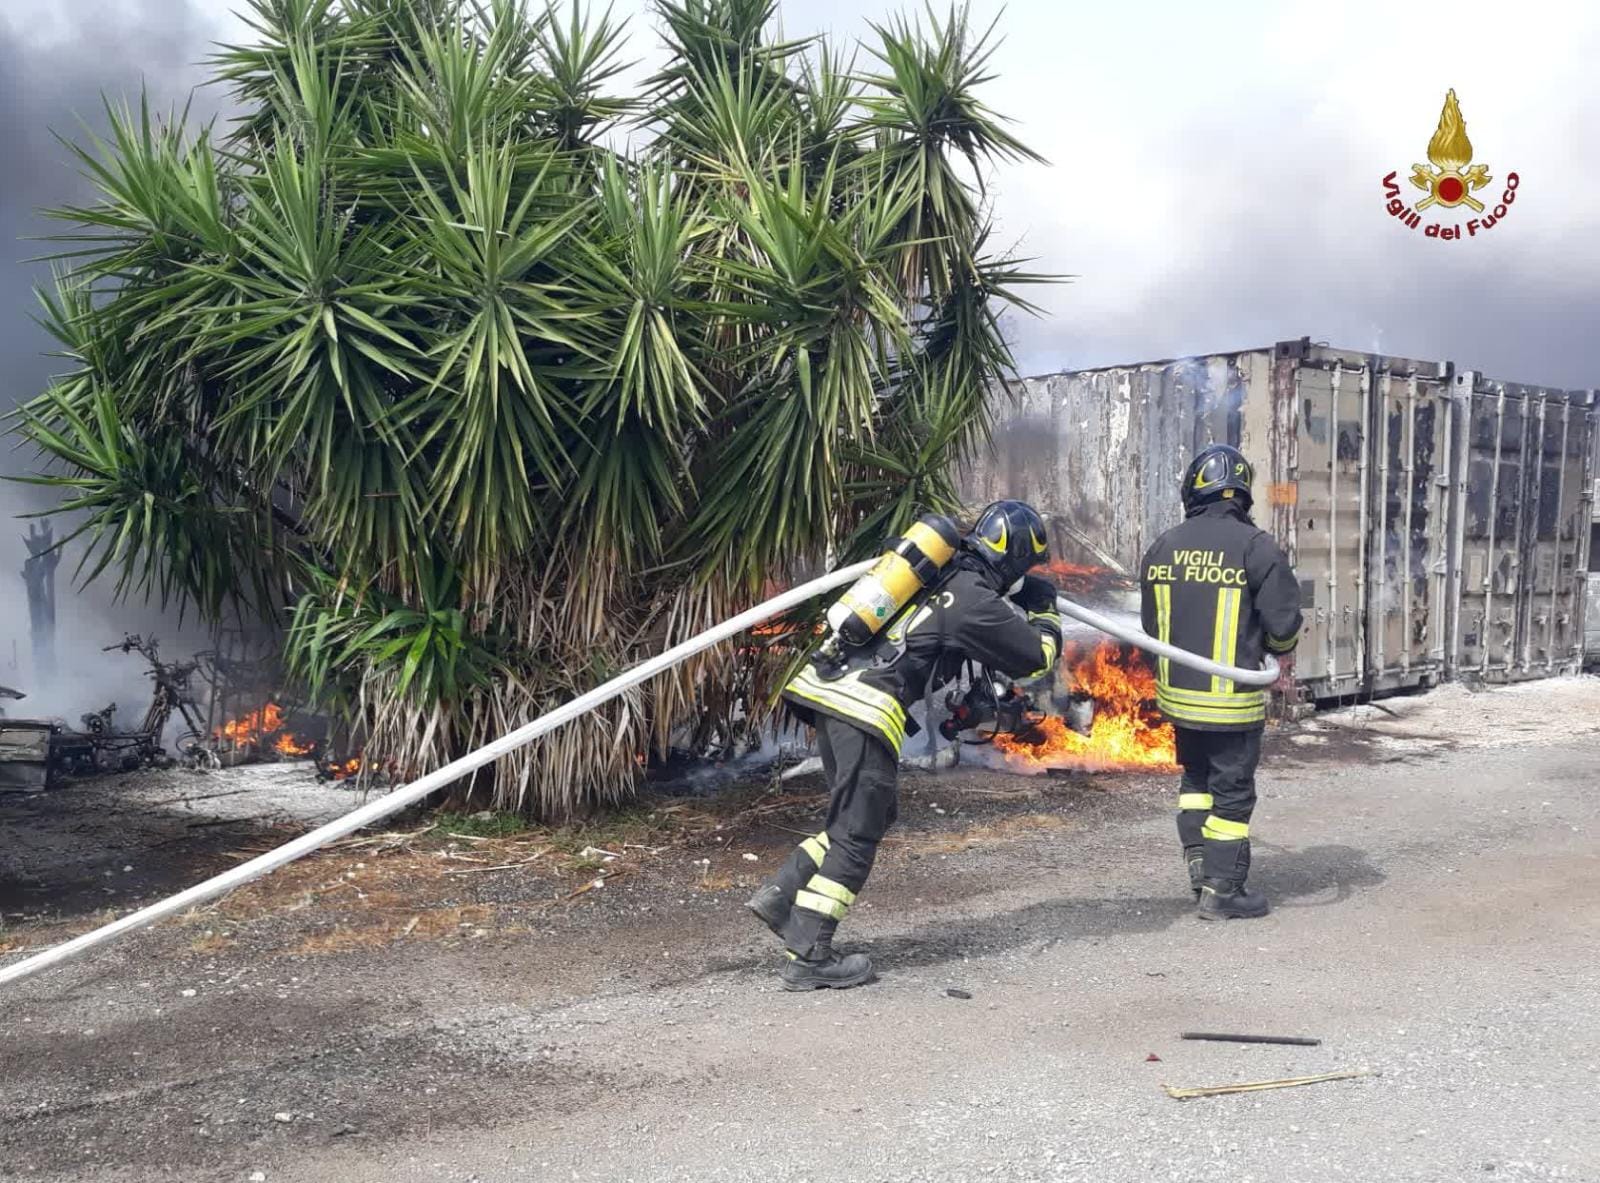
(1316, 507)
(1523, 460)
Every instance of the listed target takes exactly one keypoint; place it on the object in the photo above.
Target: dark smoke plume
(53, 73)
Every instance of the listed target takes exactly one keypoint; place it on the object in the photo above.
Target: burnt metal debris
(35, 753)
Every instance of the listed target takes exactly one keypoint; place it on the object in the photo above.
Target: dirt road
(1437, 920)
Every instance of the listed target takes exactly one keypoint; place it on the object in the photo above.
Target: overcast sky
(1214, 179)
(1214, 176)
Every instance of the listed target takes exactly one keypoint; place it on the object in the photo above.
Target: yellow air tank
(913, 563)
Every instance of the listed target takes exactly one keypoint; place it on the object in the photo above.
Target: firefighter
(1218, 586)
(985, 607)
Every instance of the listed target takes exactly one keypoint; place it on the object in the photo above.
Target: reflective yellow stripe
(1188, 712)
(853, 691)
(1219, 634)
(1048, 644)
(855, 701)
(1281, 646)
(1194, 801)
(1163, 627)
(1207, 698)
(1222, 702)
(815, 849)
(854, 713)
(1244, 710)
(1052, 617)
(822, 885)
(821, 904)
(1230, 648)
(1220, 829)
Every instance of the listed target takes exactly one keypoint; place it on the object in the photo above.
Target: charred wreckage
(38, 753)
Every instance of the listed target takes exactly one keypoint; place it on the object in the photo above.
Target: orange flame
(358, 766)
(287, 745)
(263, 728)
(251, 728)
(1127, 732)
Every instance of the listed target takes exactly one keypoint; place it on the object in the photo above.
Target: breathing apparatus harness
(911, 571)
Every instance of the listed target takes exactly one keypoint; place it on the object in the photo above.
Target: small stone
(283, 1116)
(188, 993)
(258, 1177)
(953, 992)
(752, 858)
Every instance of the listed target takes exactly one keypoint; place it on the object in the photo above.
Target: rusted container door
(1524, 514)
(1331, 405)
(1408, 539)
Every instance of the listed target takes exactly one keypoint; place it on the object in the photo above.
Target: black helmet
(1010, 538)
(1216, 473)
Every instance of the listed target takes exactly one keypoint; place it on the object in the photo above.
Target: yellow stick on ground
(1220, 1090)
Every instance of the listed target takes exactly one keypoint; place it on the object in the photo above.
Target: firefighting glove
(1037, 594)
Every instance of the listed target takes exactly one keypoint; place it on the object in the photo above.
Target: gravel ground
(1437, 921)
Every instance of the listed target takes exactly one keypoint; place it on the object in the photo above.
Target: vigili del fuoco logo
(1450, 182)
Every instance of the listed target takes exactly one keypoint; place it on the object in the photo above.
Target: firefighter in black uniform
(1221, 588)
(985, 608)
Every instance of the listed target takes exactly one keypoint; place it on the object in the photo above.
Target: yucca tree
(489, 380)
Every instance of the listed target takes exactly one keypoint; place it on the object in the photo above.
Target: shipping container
(1523, 481)
(1592, 612)
(1372, 471)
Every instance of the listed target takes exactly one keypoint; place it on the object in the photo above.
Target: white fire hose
(1265, 676)
(393, 802)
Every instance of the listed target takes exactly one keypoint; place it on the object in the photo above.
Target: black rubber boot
(771, 906)
(1191, 824)
(1227, 900)
(1223, 895)
(830, 972)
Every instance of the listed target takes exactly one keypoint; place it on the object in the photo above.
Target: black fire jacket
(958, 620)
(1220, 587)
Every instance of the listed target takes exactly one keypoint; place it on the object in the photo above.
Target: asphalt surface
(1436, 921)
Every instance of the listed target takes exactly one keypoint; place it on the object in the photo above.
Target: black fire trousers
(826, 871)
(1217, 797)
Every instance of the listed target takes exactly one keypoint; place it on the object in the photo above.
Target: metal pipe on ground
(407, 795)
